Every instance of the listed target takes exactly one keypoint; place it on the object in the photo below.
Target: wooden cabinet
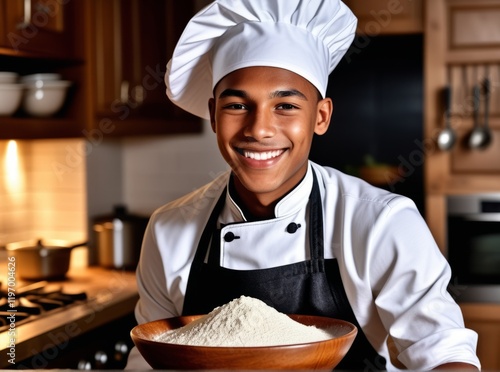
(132, 42)
(485, 320)
(48, 39)
(386, 17)
(3, 26)
(462, 47)
(114, 51)
(40, 27)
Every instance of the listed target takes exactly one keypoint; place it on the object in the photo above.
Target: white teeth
(262, 155)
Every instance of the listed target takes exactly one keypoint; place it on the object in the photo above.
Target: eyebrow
(275, 94)
(233, 93)
(288, 93)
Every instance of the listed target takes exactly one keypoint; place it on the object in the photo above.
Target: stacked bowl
(44, 94)
(11, 93)
(39, 95)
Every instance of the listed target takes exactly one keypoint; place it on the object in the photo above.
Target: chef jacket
(394, 275)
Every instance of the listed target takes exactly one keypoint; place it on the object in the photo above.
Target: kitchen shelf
(30, 56)
(138, 127)
(31, 128)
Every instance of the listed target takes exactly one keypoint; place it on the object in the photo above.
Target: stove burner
(34, 301)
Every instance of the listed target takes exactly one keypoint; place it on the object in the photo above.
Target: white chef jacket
(394, 275)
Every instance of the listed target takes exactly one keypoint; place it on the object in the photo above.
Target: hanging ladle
(480, 136)
(447, 137)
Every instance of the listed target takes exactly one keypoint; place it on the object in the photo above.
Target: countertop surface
(111, 295)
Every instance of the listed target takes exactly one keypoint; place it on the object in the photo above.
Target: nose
(260, 125)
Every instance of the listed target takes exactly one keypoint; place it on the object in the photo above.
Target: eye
(235, 106)
(286, 106)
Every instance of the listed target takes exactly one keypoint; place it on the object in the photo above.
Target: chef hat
(307, 37)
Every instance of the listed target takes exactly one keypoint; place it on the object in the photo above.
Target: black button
(229, 237)
(292, 228)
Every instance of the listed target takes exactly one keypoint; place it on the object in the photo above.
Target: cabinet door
(3, 27)
(384, 17)
(133, 42)
(484, 318)
(45, 27)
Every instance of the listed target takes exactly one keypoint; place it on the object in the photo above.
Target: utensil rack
(462, 78)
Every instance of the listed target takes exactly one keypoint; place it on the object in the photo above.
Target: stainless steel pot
(37, 259)
(119, 238)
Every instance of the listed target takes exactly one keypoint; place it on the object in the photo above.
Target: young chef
(303, 238)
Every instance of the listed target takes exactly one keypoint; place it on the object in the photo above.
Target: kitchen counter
(484, 318)
(111, 295)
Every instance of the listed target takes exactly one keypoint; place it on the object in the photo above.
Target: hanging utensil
(486, 129)
(480, 137)
(447, 137)
(476, 137)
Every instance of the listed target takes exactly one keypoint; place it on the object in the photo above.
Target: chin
(259, 187)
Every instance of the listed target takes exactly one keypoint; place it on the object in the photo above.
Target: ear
(324, 114)
(211, 109)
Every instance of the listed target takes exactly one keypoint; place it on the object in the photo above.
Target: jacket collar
(295, 200)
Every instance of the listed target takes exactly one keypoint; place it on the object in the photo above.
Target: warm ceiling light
(13, 176)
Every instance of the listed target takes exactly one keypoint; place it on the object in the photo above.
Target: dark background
(377, 91)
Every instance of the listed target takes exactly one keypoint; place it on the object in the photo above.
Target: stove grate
(34, 301)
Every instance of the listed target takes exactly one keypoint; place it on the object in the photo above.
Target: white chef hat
(307, 37)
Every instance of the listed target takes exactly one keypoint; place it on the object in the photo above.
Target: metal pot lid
(43, 244)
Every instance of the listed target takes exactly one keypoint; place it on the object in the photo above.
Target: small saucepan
(41, 260)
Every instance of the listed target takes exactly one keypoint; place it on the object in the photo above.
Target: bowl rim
(47, 84)
(41, 76)
(9, 74)
(353, 331)
(11, 86)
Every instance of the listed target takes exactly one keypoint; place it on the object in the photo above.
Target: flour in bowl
(245, 321)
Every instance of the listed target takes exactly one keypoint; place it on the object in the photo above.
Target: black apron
(312, 287)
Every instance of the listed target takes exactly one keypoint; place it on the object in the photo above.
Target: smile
(264, 155)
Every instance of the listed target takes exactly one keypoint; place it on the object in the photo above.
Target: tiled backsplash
(157, 170)
(42, 191)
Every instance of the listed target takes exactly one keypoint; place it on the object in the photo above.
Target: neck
(253, 207)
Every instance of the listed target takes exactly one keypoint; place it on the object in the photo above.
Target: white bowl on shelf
(28, 79)
(7, 77)
(45, 98)
(10, 98)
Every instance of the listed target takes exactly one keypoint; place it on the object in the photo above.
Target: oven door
(474, 256)
(474, 248)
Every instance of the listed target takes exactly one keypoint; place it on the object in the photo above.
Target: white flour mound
(244, 321)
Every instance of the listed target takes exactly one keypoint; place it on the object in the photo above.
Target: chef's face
(264, 119)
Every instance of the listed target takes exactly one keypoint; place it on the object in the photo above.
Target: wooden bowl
(314, 355)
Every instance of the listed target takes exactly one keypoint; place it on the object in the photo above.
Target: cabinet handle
(136, 93)
(124, 88)
(26, 15)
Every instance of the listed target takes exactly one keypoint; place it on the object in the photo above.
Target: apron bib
(312, 287)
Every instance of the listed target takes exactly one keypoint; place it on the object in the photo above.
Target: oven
(82, 322)
(106, 347)
(473, 236)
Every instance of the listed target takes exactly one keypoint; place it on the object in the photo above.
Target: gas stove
(80, 322)
(34, 301)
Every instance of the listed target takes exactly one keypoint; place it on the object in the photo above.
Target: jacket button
(292, 228)
(229, 237)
